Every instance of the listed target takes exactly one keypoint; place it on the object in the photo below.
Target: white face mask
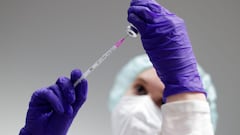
(136, 115)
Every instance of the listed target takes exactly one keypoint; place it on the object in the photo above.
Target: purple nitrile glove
(165, 40)
(52, 109)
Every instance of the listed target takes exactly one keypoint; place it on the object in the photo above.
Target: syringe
(131, 32)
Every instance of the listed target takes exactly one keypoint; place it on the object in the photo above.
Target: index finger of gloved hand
(75, 75)
(143, 2)
(143, 12)
(152, 5)
(137, 22)
(66, 87)
(43, 96)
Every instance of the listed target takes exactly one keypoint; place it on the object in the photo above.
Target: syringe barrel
(131, 31)
(96, 64)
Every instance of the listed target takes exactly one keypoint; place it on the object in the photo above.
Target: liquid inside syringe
(131, 31)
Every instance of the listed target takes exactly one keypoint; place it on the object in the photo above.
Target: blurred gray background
(41, 40)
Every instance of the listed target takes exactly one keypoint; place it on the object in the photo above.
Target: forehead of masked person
(147, 83)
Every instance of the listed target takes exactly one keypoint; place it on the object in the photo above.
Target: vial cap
(132, 31)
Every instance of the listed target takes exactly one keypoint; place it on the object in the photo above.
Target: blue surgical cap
(140, 63)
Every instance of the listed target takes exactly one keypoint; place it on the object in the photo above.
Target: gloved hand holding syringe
(131, 32)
